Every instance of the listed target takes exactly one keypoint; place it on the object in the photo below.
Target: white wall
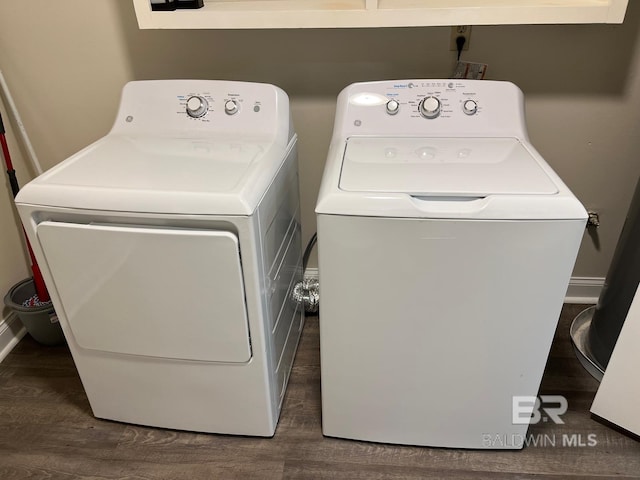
(66, 62)
(64, 75)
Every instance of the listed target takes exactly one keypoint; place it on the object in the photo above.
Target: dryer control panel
(206, 107)
(202, 105)
(431, 107)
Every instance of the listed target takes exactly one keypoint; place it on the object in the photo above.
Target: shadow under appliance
(170, 248)
(446, 244)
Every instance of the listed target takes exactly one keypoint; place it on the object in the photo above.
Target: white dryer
(170, 248)
(446, 244)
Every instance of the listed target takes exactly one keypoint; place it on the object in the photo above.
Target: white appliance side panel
(428, 328)
(150, 291)
(618, 397)
(279, 224)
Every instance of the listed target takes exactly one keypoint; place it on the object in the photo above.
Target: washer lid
(201, 175)
(461, 167)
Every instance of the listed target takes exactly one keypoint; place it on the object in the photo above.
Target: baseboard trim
(582, 290)
(11, 332)
(311, 273)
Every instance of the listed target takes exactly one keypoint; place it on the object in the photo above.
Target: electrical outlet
(460, 31)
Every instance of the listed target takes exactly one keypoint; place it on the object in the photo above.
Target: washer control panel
(438, 107)
(432, 100)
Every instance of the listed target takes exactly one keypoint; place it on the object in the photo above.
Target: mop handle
(41, 288)
(13, 181)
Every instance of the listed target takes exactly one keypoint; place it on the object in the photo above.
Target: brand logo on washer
(404, 85)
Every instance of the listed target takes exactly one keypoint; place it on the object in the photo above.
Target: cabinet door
(151, 291)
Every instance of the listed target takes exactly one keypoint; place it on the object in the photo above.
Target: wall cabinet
(232, 14)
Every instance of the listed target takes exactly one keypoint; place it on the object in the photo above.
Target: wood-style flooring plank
(47, 431)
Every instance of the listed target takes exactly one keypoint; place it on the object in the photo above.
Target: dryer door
(158, 292)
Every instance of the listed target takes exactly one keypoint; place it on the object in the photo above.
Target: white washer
(170, 248)
(446, 244)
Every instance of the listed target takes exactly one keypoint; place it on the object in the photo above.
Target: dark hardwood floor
(47, 431)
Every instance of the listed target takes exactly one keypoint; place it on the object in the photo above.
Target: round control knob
(231, 107)
(393, 107)
(470, 107)
(430, 107)
(197, 106)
